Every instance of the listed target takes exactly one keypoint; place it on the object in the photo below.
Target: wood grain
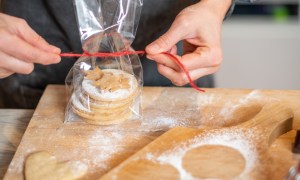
(13, 124)
(203, 159)
(208, 161)
(217, 108)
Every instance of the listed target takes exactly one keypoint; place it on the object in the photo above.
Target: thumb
(167, 40)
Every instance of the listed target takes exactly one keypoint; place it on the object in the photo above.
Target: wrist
(219, 7)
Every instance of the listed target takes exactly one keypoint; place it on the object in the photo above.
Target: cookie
(103, 105)
(122, 94)
(107, 115)
(42, 165)
(105, 96)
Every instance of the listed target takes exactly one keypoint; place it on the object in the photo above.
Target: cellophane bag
(105, 90)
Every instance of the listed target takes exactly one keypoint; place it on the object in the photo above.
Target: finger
(202, 57)
(12, 64)
(5, 73)
(16, 47)
(29, 35)
(164, 43)
(180, 78)
(173, 50)
(166, 61)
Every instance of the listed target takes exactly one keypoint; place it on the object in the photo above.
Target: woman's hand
(21, 47)
(199, 26)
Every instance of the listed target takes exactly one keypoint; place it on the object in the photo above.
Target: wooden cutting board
(165, 108)
(226, 153)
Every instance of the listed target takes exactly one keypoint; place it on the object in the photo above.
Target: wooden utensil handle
(275, 119)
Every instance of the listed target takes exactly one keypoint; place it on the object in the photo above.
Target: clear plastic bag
(106, 90)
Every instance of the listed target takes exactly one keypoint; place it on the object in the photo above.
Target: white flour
(77, 167)
(161, 123)
(204, 99)
(241, 140)
(174, 159)
(102, 146)
(229, 108)
(171, 110)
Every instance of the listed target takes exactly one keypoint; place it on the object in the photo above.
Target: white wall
(260, 54)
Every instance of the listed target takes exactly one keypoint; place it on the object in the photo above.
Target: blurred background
(261, 46)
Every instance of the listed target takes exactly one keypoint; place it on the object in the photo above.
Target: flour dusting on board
(101, 147)
(170, 110)
(241, 140)
(230, 107)
(174, 159)
(199, 109)
(164, 122)
(205, 99)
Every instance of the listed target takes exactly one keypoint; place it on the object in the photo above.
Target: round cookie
(115, 120)
(104, 105)
(119, 95)
(93, 117)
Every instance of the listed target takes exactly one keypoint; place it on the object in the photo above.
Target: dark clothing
(55, 21)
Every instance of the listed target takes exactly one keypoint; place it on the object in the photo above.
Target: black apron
(55, 21)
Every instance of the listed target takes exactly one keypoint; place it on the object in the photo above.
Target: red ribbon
(123, 53)
(101, 54)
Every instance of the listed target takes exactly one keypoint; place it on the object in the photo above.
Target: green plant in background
(281, 13)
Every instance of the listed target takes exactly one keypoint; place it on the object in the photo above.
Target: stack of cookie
(105, 96)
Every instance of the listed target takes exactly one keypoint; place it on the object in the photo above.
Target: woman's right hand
(21, 47)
